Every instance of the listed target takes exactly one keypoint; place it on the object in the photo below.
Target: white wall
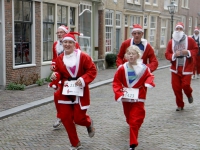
(2, 47)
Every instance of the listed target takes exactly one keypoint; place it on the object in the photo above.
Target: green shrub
(111, 60)
(14, 86)
(40, 82)
(48, 79)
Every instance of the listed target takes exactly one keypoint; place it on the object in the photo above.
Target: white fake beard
(177, 35)
(70, 60)
(138, 68)
(196, 36)
(59, 47)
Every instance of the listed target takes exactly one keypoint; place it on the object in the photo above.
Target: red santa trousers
(135, 114)
(181, 82)
(72, 114)
(197, 65)
(56, 96)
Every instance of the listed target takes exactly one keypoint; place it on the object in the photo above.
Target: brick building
(28, 29)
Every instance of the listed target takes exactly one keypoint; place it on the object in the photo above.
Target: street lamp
(172, 9)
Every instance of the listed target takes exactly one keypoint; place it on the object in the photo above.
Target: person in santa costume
(148, 54)
(129, 85)
(74, 65)
(57, 50)
(196, 71)
(181, 51)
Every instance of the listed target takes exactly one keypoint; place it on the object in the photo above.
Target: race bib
(131, 93)
(69, 88)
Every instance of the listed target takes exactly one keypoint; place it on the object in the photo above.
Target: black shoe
(179, 108)
(190, 99)
(91, 129)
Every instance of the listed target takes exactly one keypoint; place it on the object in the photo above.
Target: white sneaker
(198, 76)
(193, 77)
(57, 123)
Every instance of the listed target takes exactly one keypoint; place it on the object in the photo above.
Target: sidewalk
(13, 102)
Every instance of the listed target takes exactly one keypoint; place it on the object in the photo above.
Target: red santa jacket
(188, 64)
(57, 52)
(148, 56)
(85, 69)
(144, 79)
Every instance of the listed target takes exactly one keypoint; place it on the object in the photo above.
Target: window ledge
(24, 66)
(138, 4)
(147, 3)
(46, 63)
(185, 7)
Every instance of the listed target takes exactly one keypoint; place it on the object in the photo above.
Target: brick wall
(13, 75)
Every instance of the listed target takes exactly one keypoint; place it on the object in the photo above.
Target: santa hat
(137, 27)
(65, 28)
(196, 29)
(180, 25)
(70, 36)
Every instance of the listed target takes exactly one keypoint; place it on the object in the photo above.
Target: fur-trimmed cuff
(189, 54)
(148, 85)
(173, 57)
(119, 99)
(82, 82)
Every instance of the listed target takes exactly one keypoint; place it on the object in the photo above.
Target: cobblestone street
(163, 128)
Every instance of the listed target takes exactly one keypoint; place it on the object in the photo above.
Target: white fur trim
(148, 85)
(82, 82)
(63, 28)
(68, 38)
(119, 99)
(180, 26)
(137, 29)
(189, 54)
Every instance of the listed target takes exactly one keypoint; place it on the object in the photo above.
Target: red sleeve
(168, 52)
(152, 60)
(120, 56)
(54, 53)
(117, 83)
(192, 47)
(90, 69)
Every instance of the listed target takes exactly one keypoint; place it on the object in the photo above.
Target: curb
(37, 103)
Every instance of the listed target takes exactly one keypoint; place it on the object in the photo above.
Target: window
(183, 20)
(185, 3)
(109, 30)
(163, 32)
(118, 19)
(72, 18)
(190, 26)
(22, 31)
(48, 31)
(85, 20)
(155, 2)
(62, 15)
(147, 2)
(137, 1)
(152, 30)
(145, 21)
(130, 1)
(134, 20)
(126, 20)
(118, 31)
(196, 22)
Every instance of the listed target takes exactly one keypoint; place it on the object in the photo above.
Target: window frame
(165, 33)
(109, 30)
(48, 43)
(152, 29)
(25, 47)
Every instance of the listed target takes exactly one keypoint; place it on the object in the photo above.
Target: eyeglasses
(59, 32)
(134, 33)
